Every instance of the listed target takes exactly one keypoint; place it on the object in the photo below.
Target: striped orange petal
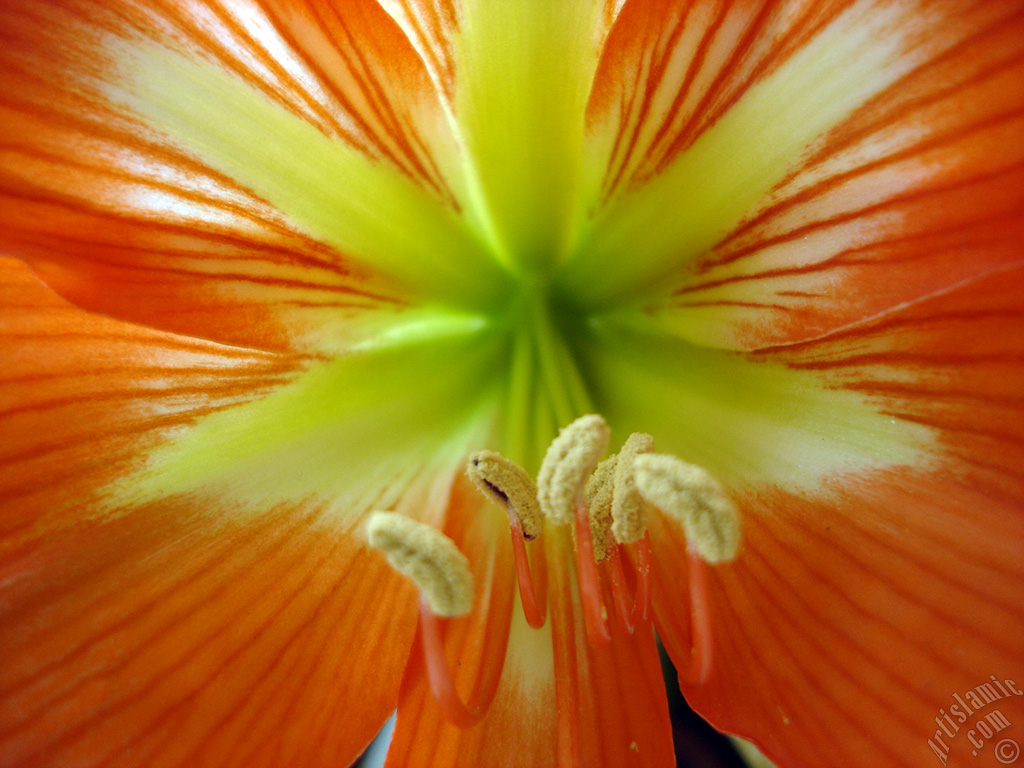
(871, 155)
(858, 609)
(317, 252)
(224, 169)
(181, 631)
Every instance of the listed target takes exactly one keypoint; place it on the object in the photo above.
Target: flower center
(605, 502)
(545, 387)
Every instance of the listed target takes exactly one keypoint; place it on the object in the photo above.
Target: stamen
(428, 558)
(442, 684)
(695, 499)
(599, 496)
(699, 668)
(620, 592)
(627, 504)
(507, 483)
(534, 610)
(698, 502)
(635, 610)
(432, 561)
(642, 601)
(595, 616)
(571, 457)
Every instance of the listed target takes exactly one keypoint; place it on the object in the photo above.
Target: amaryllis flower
(275, 270)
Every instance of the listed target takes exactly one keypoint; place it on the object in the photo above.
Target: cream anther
(695, 499)
(627, 505)
(599, 503)
(427, 557)
(507, 483)
(570, 459)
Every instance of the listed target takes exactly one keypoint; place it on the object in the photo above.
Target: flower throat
(605, 503)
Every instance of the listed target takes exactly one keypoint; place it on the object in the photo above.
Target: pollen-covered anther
(507, 483)
(598, 494)
(627, 504)
(428, 558)
(567, 464)
(690, 495)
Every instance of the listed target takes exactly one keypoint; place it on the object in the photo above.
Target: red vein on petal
(376, 95)
(214, 41)
(325, 563)
(810, 723)
(138, 393)
(757, 647)
(1000, 435)
(231, 29)
(694, 65)
(797, 612)
(328, 565)
(914, 195)
(423, 162)
(216, 235)
(441, 17)
(861, 255)
(824, 745)
(946, 614)
(137, 141)
(76, 440)
(207, 570)
(24, 191)
(154, 340)
(852, 716)
(701, 112)
(333, 715)
(623, 149)
(115, 704)
(847, 140)
(364, 582)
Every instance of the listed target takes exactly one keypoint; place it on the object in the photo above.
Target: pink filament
(594, 613)
(440, 677)
(620, 592)
(642, 601)
(535, 611)
(700, 620)
(636, 610)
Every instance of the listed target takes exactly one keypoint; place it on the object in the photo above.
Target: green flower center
(544, 375)
(528, 307)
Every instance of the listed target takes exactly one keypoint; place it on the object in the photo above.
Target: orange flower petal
(430, 25)
(856, 612)
(378, 85)
(165, 638)
(919, 188)
(138, 226)
(82, 397)
(173, 634)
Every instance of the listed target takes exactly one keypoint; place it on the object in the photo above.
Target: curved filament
(534, 609)
(699, 668)
(594, 613)
(442, 684)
